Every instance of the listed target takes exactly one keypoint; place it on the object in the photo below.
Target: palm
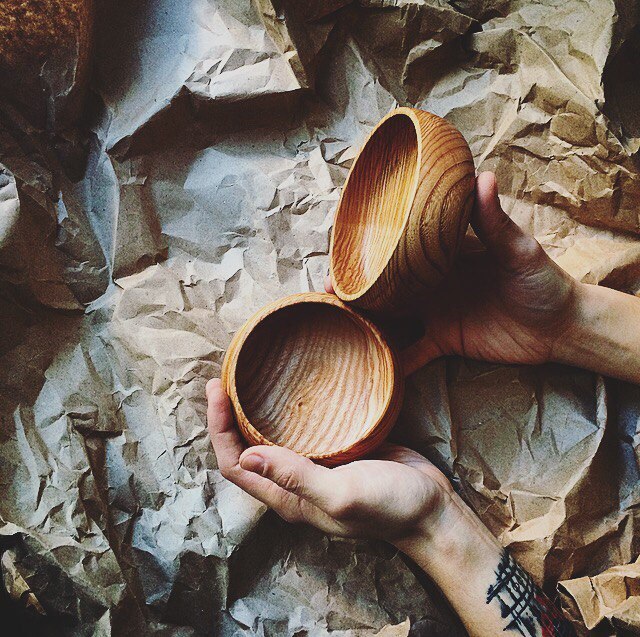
(487, 312)
(387, 496)
(505, 300)
(382, 497)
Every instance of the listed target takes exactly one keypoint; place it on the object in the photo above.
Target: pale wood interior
(310, 378)
(374, 206)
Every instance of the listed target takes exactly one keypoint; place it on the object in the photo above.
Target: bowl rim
(403, 111)
(230, 367)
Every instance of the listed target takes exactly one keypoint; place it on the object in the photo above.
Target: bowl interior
(374, 206)
(313, 378)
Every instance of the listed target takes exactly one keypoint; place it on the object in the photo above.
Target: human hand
(398, 496)
(504, 301)
(395, 495)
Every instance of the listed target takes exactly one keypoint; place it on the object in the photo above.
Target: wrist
(455, 538)
(567, 346)
(604, 333)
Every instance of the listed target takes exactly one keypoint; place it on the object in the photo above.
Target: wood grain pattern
(309, 373)
(403, 212)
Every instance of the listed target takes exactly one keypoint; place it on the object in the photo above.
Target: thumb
(510, 246)
(294, 473)
(420, 353)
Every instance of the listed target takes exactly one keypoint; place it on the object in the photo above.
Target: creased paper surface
(605, 601)
(216, 137)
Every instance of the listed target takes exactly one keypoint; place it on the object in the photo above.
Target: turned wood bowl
(309, 373)
(403, 212)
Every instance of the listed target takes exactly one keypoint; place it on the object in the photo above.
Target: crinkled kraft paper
(606, 601)
(216, 137)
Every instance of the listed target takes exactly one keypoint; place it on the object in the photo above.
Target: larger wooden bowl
(403, 212)
(309, 373)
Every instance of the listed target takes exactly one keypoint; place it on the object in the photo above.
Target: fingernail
(253, 462)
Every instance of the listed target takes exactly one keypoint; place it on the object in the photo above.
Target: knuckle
(527, 245)
(536, 250)
(290, 481)
(503, 224)
(287, 516)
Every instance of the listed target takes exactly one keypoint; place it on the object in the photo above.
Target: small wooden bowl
(309, 373)
(403, 212)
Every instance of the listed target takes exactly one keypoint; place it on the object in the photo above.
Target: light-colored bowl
(309, 373)
(403, 212)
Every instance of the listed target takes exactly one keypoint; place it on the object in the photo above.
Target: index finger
(224, 435)
(328, 285)
(228, 446)
(418, 354)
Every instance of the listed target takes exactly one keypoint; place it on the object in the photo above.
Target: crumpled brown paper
(216, 137)
(605, 601)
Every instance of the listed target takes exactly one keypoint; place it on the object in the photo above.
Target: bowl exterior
(437, 220)
(371, 439)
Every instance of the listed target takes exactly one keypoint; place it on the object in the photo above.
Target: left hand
(398, 496)
(395, 495)
(504, 301)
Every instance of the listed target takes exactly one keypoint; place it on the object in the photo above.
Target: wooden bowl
(309, 373)
(403, 212)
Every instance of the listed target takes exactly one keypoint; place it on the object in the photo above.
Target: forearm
(489, 591)
(605, 334)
